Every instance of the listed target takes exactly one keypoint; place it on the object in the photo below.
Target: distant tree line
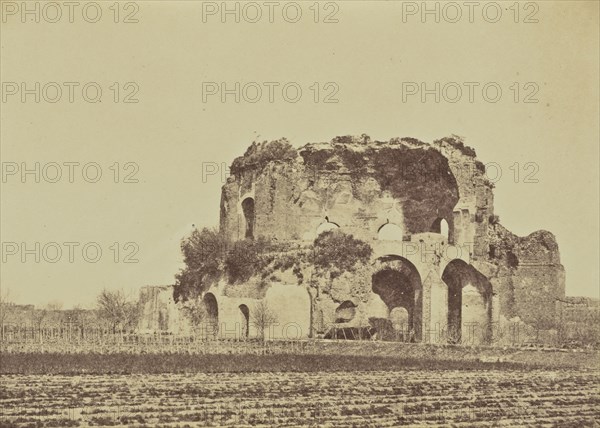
(114, 311)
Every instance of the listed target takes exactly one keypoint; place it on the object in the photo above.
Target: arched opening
(343, 328)
(326, 226)
(400, 323)
(399, 318)
(513, 260)
(389, 232)
(320, 322)
(469, 304)
(212, 315)
(345, 312)
(440, 226)
(398, 284)
(244, 320)
(248, 210)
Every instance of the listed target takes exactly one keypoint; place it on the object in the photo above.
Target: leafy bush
(336, 252)
(246, 258)
(260, 257)
(203, 254)
(209, 257)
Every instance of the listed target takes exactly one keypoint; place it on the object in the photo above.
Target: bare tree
(262, 317)
(6, 309)
(83, 320)
(56, 317)
(118, 310)
(38, 316)
(195, 312)
(54, 306)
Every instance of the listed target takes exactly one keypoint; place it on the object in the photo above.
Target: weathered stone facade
(158, 310)
(443, 266)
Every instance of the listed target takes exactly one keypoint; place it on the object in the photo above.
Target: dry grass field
(538, 397)
(328, 383)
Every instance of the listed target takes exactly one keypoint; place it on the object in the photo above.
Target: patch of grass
(38, 363)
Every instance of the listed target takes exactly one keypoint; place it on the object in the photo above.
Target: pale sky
(170, 132)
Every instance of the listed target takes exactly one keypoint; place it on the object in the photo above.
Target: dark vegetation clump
(412, 141)
(399, 169)
(251, 257)
(494, 219)
(350, 139)
(204, 252)
(457, 142)
(127, 363)
(339, 252)
(258, 155)
(209, 257)
(419, 175)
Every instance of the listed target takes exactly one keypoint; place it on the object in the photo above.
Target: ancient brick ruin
(443, 269)
(442, 264)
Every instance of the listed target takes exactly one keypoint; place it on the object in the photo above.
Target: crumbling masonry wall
(420, 207)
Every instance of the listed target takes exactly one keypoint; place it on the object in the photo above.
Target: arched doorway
(398, 284)
(248, 210)
(469, 304)
(244, 320)
(212, 315)
(399, 319)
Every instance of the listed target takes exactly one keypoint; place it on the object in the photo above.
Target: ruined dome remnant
(441, 262)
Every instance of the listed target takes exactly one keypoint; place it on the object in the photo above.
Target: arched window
(440, 226)
(248, 210)
(389, 232)
(326, 226)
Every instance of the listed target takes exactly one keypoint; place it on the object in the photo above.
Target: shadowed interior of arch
(245, 320)
(398, 285)
(212, 312)
(248, 210)
(394, 289)
(440, 226)
(345, 312)
(469, 300)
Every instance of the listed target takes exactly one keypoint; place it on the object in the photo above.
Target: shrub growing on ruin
(458, 143)
(258, 155)
(246, 258)
(204, 252)
(260, 257)
(335, 251)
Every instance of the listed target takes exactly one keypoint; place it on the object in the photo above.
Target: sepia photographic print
(299, 213)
